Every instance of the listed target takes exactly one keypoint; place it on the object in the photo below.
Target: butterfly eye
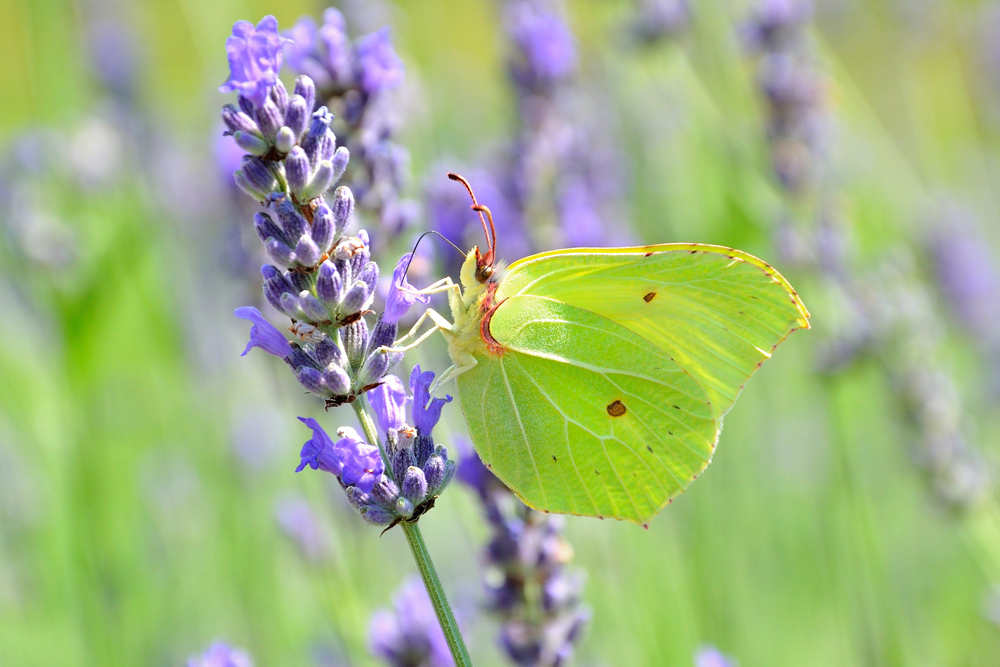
(483, 273)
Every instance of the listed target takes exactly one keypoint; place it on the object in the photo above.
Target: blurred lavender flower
(709, 656)
(545, 49)
(297, 520)
(562, 171)
(221, 654)
(776, 24)
(409, 635)
(658, 20)
(527, 583)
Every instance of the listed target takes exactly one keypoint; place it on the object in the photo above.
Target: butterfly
(594, 380)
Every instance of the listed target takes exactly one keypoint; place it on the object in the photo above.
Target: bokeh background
(147, 500)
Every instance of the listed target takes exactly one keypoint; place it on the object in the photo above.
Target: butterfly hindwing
(582, 416)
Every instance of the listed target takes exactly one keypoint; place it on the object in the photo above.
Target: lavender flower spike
(426, 410)
(402, 294)
(254, 59)
(263, 334)
(389, 400)
(221, 654)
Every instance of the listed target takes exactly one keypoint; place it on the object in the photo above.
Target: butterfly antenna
(490, 232)
(413, 252)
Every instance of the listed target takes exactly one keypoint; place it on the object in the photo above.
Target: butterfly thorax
(470, 310)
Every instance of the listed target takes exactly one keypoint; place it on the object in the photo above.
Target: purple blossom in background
(409, 635)
(709, 656)
(402, 294)
(968, 276)
(263, 334)
(221, 654)
(255, 56)
(378, 66)
(527, 549)
(426, 410)
(390, 401)
(546, 49)
(297, 520)
(657, 20)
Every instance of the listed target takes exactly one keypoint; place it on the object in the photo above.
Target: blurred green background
(143, 463)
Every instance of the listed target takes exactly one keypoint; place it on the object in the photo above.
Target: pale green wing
(582, 416)
(718, 312)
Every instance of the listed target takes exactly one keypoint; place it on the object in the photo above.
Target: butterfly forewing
(718, 312)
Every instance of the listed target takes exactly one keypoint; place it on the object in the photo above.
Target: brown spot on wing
(649, 297)
(616, 408)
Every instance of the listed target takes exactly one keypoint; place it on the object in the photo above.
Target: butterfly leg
(463, 364)
(440, 324)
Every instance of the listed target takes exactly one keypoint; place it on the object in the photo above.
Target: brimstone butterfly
(594, 380)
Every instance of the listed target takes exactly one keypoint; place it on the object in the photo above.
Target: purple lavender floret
(660, 19)
(255, 56)
(390, 402)
(409, 635)
(776, 24)
(263, 334)
(402, 295)
(221, 654)
(351, 459)
(426, 410)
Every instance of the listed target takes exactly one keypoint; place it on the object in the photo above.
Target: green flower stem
(446, 617)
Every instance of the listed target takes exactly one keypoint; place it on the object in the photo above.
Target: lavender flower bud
(358, 498)
(320, 182)
(311, 306)
(311, 379)
(328, 352)
(385, 492)
(402, 461)
(251, 143)
(435, 474)
(297, 116)
(414, 485)
(377, 516)
(266, 229)
(259, 173)
(357, 297)
(319, 142)
(279, 251)
(279, 95)
(369, 276)
(343, 207)
(245, 104)
(246, 186)
(337, 380)
(284, 140)
(355, 342)
(328, 285)
(383, 334)
(269, 119)
(404, 507)
(293, 222)
(306, 89)
(322, 226)
(290, 306)
(237, 121)
(297, 169)
(340, 159)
